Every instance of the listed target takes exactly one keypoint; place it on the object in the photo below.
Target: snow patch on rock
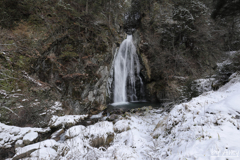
(68, 120)
(75, 131)
(121, 126)
(45, 153)
(30, 137)
(10, 134)
(28, 150)
(56, 107)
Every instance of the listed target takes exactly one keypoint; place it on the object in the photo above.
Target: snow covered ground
(207, 127)
(11, 134)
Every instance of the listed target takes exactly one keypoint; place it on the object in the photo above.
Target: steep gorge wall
(179, 41)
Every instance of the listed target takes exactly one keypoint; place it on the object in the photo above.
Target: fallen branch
(10, 111)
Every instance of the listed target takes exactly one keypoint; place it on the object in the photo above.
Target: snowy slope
(207, 127)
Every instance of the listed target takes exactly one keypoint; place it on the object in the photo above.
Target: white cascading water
(126, 68)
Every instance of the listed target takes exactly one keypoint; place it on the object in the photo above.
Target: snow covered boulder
(28, 151)
(65, 121)
(10, 134)
(100, 134)
(44, 154)
(30, 137)
(80, 140)
(75, 131)
(19, 143)
(121, 126)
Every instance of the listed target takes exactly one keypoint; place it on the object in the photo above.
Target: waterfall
(126, 72)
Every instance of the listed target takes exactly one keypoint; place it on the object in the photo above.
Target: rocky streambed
(30, 143)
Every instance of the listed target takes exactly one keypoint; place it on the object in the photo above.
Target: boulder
(121, 126)
(66, 121)
(27, 150)
(56, 135)
(11, 134)
(30, 137)
(75, 131)
(19, 143)
(100, 134)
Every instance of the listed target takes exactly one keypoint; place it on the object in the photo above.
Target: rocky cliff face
(179, 41)
(61, 52)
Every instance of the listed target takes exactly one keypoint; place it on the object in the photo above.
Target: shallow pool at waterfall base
(125, 106)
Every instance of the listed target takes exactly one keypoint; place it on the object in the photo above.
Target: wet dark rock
(7, 152)
(237, 117)
(56, 135)
(113, 117)
(141, 110)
